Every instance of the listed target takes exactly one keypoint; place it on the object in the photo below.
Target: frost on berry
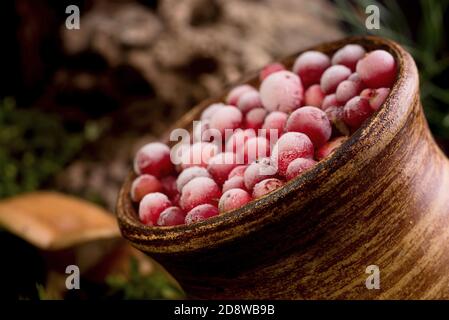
(255, 148)
(289, 147)
(349, 55)
(227, 117)
(330, 101)
(310, 65)
(332, 77)
(172, 216)
(377, 69)
(258, 171)
(189, 174)
(282, 91)
(298, 167)
(376, 97)
(201, 190)
(201, 213)
(235, 94)
(151, 207)
(356, 111)
(311, 121)
(254, 118)
(143, 185)
(154, 159)
(266, 186)
(314, 96)
(233, 199)
(221, 165)
(236, 182)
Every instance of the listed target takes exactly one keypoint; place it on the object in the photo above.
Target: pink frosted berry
(248, 101)
(221, 165)
(330, 147)
(347, 90)
(376, 97)
(198, 154)
(311, 121)
(377, 69)
(198, 191)
(282, 91)
(310, 66)
(266, 186)
(237, 171)
(329, 101)
(332, 77)
(269, 69)
(151, 207)
(154, 159)
(236, 142)
(227, 117)
(143, 185)
(289, 147)
(189, 174)
(258, 171)
(349, 55)
(210, 110)
(233, 199)
(255, 148)
(235, 94)
(172, 216)
(356, 111)
(298, 167)
(169, 186)
(254, 118)
(274, 125)
(314, 96)
(233, 183)
(200, 213)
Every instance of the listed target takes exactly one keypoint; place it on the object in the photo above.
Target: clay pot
(382, 199)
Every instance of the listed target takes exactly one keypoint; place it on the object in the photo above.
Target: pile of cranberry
(262, 138)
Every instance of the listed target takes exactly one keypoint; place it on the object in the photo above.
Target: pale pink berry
(198, 154)
(311, 121)
(221, 165)
(201, 213)
(347, 90)
(236, 142)
(258, 171)
(169, 186)
(330, 147)
(254, 118)
(172, 216)
(248, 101)
(335, 116)
(143, 185)
(329, 101)
(154, 159)
(314, 96)
(290, 146)
(274, 124)
(210, 110)
(377, 69)
(255, 148)
(298, 167)
(356, 111)
(201, 190)
(235, 182)
(282, 91)
(235, 94)
(376, 97)
(266, 186)
(269, 69)
(332, 77)
(349, 55)
(189, 174)
(233, 199)
(237, 171)
(310, 66)
(227, 117)
(151, 207)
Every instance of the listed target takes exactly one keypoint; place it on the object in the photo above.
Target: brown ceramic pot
(381, 199)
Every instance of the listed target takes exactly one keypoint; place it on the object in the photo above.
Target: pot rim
(215, 231)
